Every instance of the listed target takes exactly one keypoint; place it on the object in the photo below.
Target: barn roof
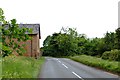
(34, 27)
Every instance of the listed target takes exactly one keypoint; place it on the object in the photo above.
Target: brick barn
(32, 46)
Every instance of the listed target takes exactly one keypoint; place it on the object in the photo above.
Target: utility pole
(119, 14)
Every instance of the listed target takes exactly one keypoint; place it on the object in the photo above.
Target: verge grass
(112, 66)
(0, 67)
(21, 67)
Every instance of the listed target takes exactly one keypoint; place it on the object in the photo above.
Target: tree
(81, 41)
(46, 41)
(109, 41)
(12, 35)
(118, 37)
(61, 44)
(68, 41)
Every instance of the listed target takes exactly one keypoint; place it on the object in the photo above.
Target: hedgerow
(112, 55)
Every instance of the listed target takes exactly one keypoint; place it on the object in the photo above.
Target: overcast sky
(91, 17)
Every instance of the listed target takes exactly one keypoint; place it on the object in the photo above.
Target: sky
(91, 17)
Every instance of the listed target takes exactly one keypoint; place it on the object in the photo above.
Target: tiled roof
(35, 28)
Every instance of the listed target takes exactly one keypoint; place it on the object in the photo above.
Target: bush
(106, 55)
(112, 55)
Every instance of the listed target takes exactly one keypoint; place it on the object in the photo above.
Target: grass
(21, 67)
(112, 66)
(0, 67)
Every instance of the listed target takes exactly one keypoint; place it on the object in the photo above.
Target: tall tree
(109, 40)
(61, 44)
(11, 36)
(118, 37)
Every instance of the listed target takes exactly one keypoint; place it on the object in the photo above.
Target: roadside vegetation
(102, 52)
(12, 66)
(111, 66)
(21, 67)
(69, 43)
(9, 32)
(0, 68)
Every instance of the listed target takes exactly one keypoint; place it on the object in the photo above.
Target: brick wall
(32, 46)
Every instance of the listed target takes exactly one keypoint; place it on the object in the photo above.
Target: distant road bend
(66, 68)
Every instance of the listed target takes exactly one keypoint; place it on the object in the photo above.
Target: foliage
(112, 55)
(69, 42)
(118, 37)
(12, 35)
(61, 44)
(21, 67)
(98, 62)
(0, 68)
(110, 41)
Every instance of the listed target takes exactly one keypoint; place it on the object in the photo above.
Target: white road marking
(55, 59)
(77, 75)
(64, 65)
(67, 68)
(59, 61)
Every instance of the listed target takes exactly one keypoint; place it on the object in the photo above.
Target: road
(66, 68)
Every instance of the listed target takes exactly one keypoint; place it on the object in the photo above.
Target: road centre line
(72, 72)
(64, 65)
(59, 61)
(56, 59)
(77, 75)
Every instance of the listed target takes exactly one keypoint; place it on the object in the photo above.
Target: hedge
(112, 55)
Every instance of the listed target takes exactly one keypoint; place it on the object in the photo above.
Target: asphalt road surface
(66, 68)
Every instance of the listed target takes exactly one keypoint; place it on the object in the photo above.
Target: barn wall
(27, 48)
(38, 45)
(35, 45)
(32, 46)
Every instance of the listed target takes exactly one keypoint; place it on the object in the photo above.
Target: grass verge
(21, 67)
(112, 66)
(0, 67)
